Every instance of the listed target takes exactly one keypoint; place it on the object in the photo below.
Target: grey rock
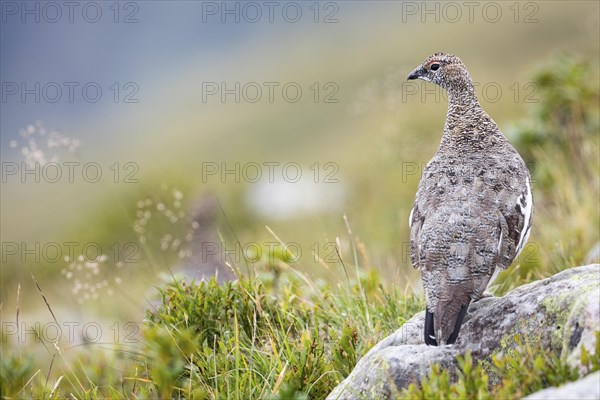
(582, 323)
(207, 251)
(586, 388)
(561, 312)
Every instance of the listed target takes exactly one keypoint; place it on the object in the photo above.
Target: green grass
(247, 339)
(247, 343)
(244, 339)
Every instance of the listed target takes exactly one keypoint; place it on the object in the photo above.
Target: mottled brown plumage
(472, 212)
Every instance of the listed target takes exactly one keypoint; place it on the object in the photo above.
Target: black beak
(417, 73)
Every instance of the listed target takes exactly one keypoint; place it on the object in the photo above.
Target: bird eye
(434, 66)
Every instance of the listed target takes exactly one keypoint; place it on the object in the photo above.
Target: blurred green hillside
(376, 134)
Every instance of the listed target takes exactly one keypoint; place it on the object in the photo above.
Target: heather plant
(513, 372)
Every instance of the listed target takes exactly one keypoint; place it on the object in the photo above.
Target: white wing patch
(410, 218)
(499, 242)
(525, 203)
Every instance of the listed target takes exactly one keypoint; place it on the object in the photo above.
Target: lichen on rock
(561, 313)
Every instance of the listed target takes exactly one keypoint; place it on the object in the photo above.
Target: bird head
(446, 70)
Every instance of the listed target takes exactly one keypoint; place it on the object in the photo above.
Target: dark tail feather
(430, 339)
(457, 325)
(429, 331)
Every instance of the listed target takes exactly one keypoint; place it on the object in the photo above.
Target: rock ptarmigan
(472, 212)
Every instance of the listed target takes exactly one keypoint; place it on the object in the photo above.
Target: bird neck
(464, 112)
